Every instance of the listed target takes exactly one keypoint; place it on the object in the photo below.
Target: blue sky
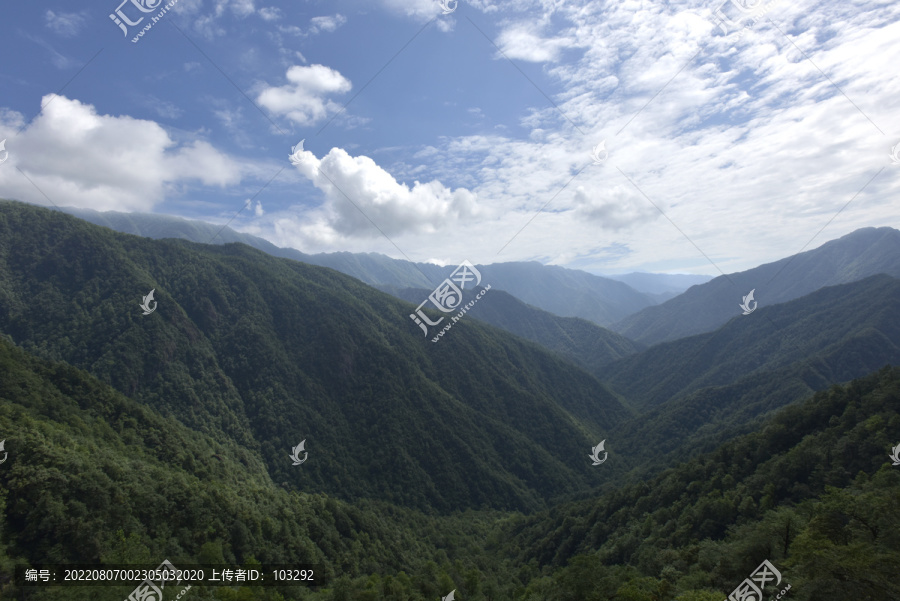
(468, 135)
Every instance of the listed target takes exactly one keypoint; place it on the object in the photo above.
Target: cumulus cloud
(303, 100)
(357, 190)
(77, 157)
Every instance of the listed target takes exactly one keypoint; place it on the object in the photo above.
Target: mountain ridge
(704, 307)
(268, 352)
(561, 291)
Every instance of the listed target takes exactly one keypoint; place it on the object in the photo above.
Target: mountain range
(268, 352)
(139, 433)
(705, 307)
(563, 292)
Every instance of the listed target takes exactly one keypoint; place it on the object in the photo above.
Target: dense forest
(96, 477)
(461, 466)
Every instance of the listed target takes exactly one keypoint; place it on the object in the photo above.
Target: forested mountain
(581, 341)
(267, 352)
(563, 292)
(93, 476)
(858, 255)
(813, 491)
(133, 437)
(695, 393)
(841, 332)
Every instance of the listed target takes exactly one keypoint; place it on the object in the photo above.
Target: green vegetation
(266, 352)
(93, 476)
(582, 342)
(459, 465)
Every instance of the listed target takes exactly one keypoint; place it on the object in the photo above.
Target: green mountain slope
(92, 476)
(703, 308)
(564, 292)
(850, 329)
(813, 491)
(267, 352)
(584, 343)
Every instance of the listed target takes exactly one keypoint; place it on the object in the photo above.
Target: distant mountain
(563, 292)
(661, 283)
(775, 336)
(268, 352)
(582, 342)
(696, 393)
(703, 308)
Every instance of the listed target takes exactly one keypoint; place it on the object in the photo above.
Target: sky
(605, 136)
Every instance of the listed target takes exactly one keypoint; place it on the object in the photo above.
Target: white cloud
(329, 23)
(523, 41)
(749, 150)
(613, 208)
(77, 157)
(418, 9)
(270, 13)
(243, 8)
(65, 24)
(303, 100)
(357, 190)
(163, 108)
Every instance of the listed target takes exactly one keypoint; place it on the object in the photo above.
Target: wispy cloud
(64, 24)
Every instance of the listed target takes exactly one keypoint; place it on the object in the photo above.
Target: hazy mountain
(268, 352)
(705, 307)
(661, 283)
(581, 341)
(563, 292)
(696, 393)
(829, 322)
